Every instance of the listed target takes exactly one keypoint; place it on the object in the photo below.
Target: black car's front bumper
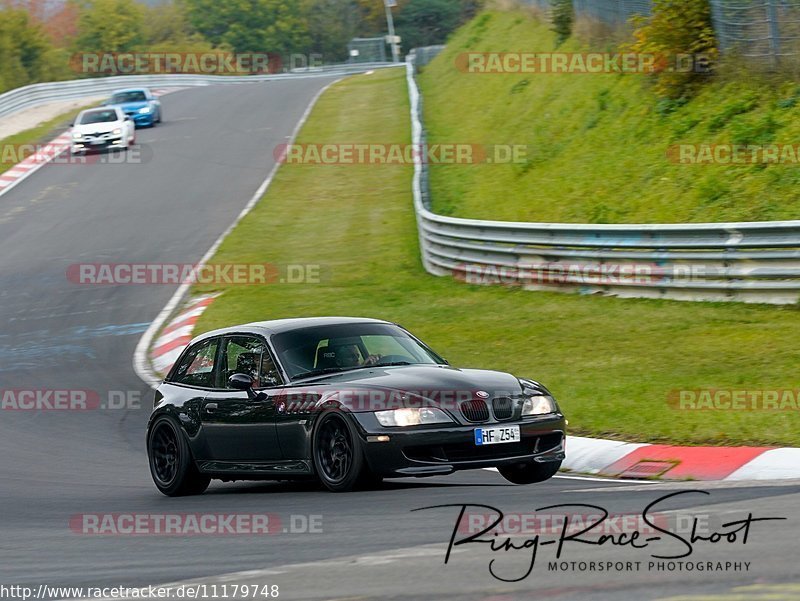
(431, 451)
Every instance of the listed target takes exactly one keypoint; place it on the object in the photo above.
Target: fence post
(774, 32)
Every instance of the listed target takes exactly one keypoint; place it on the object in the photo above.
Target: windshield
(133, 96)
(330, 349)
(100, 116)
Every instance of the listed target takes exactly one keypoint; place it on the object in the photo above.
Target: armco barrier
(750, 262)
(29, 96)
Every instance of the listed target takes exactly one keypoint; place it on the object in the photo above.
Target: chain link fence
(423, 55)
(367, 50)
(766, 30)
(610, 12)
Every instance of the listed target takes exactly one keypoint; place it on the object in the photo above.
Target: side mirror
(240, 382)
(72, 124)
(245, 382)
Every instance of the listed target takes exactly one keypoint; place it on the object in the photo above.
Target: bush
(676, 28)
(562, 16)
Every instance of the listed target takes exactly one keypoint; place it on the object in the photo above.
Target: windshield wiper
(319, 372)
(387, 364)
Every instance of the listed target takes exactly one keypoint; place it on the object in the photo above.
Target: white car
(102, 129)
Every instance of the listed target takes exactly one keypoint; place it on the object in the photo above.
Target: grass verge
(612, 363)
(597, 144)
(44, 132)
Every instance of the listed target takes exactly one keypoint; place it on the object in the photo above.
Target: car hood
(133, 106)
(102, 128)
(373, 388)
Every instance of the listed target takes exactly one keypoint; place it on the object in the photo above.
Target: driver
(269, 373)
(348, 356)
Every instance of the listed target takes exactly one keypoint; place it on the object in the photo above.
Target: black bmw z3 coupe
(348, 401)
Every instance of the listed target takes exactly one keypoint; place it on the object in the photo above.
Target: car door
(186, 388)
(237, 427)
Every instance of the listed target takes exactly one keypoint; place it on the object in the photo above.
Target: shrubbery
(562, 16)
(677, 27)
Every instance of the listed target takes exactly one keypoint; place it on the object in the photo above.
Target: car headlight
(538, 405)
(117, 131)
(76, 135)
(144, 110)
(412, 417)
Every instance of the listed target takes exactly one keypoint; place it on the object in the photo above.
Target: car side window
(269, 372)
(249, 355)
(197, 365)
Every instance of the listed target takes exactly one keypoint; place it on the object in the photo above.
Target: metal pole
(774, 33)
(390, 24)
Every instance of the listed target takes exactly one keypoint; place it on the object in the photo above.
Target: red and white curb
(47, 154)
(32, 163)
(177, 334)
(666, 462)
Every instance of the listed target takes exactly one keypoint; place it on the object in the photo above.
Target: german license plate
(484, 436)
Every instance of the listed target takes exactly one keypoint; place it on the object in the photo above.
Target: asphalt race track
(200, 168)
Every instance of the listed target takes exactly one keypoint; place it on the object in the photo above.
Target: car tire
(337, 452)
(529, 473)
(171, 463)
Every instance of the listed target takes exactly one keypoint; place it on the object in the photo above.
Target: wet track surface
(200, 168)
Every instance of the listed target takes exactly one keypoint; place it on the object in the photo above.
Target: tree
(372, 16)
(167, 29)
(110, 26)
(331, 25)
(62, 25)
(251, 26)
(26, 53)
(427, 22)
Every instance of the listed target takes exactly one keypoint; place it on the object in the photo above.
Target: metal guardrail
(26, 97)
(749, 262)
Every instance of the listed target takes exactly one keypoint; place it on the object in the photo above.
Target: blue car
(139, 104)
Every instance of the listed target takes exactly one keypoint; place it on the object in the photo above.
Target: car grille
(475, 410)
(503, 407)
